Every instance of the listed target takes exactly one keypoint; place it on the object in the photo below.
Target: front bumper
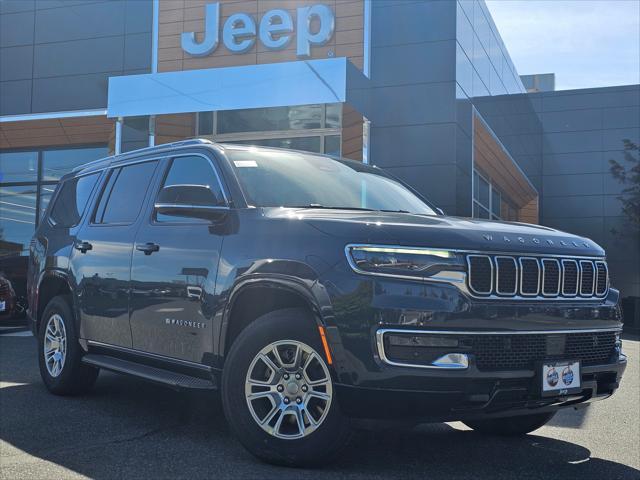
(451, 396)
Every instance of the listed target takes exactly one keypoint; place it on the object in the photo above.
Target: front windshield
(280, 178)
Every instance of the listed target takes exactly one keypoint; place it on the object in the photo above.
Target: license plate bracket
(560, 377)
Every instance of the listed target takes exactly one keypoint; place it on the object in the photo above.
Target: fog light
(452, 360)
(421, 341)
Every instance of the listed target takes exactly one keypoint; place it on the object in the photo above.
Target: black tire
(318, 446)
(511, 426)
(74, 378)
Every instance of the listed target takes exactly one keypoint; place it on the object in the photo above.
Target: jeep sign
(275, 30)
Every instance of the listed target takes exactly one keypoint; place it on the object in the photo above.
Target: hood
(440, 232)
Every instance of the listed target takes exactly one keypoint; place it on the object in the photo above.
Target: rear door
(101, 259)
(174, 268)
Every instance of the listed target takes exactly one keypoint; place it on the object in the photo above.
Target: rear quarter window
(124, 193)
(72, 200)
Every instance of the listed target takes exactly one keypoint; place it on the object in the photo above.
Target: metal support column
(118, 141)
(152, 130)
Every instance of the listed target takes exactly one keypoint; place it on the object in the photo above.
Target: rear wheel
(278, 393)
(59, 352)
(511, 426)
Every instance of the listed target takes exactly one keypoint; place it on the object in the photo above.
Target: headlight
(410, 262)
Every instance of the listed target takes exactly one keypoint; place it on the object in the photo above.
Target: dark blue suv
(314, 291)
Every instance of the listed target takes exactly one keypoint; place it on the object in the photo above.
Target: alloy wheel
(55, 345)
(288, 389)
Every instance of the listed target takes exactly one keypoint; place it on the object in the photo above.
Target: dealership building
(425, 89)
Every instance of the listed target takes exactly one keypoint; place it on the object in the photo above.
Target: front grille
(550, 277)
(506, 273)
(587, 278)
(481, 270)
(602, 278)
(570, 278)
(529, 276)
(536, 277)
(522, 352)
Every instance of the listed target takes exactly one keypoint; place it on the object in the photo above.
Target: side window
(72, 200)
(124, 193)
(190, 171)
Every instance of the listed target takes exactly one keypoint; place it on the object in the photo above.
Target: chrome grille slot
(602, 278)
(480, 274)
(587, 278)
(529, 276)
(570, 276)
(535, 276)
(550, 277)
(506, 276)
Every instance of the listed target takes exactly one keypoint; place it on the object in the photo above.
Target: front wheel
(278, 393)
(511, 426)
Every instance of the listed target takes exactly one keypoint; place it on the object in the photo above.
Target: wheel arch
(256, 297)
(51, 284)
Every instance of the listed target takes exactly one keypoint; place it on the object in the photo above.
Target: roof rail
(180, 143)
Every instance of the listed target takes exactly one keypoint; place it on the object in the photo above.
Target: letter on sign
(306, 38)
(239, 33)
(210, 42)
(276, 23)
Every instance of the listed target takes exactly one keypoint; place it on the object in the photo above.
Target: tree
(628, 174)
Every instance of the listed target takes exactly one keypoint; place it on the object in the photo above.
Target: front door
(101, 258)
(173, 272)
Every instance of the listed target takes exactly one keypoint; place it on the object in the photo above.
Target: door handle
(83, 246)
(148, 248)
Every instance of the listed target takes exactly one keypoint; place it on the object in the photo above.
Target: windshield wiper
(327, 207)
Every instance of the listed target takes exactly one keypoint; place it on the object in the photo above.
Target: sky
(586, 43)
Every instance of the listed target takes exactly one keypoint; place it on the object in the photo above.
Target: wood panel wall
(493, 162)
(173, 128)
(57, 132)
(351, 133)
(177, 16)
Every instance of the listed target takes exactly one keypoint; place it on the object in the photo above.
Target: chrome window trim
(515, 284)
(382, 331)
(491, 282)
(593, 282)
(564, 292)
(184, 206)
(532, 295)
(544, 294)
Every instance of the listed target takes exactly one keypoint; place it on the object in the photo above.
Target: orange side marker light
(325, 344)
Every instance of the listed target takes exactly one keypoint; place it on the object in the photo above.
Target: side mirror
(192, 201)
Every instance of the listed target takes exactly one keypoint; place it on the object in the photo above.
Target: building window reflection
(489, 202)
(313, 128)
(27, 182)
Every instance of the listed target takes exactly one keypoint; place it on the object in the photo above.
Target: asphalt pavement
(130, 429)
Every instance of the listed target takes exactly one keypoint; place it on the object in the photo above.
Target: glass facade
(313, 128)
(489, 202)
(27, 181)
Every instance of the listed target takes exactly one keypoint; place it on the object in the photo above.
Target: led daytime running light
(407, 251)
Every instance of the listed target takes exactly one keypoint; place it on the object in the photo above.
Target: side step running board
(153, 374)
